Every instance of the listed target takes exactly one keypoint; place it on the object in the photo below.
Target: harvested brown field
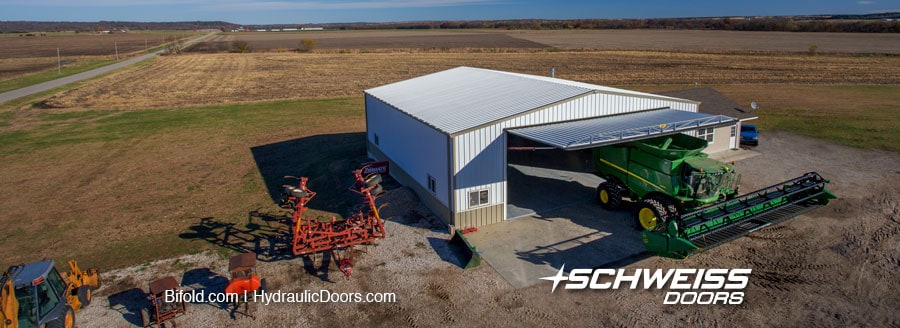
(26, 55)
(659, 40)
(717, 41)
(336, 40)
(206, 79)
(83, 44)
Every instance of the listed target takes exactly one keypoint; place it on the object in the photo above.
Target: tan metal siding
(479, 217)
(721, 140)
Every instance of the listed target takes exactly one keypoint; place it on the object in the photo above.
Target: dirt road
(41, 87)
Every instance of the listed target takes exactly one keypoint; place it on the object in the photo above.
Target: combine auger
(333, 235)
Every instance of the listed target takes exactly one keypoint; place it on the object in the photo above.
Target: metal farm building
(445, 134)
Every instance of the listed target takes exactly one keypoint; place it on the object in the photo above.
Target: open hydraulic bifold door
(595, 132)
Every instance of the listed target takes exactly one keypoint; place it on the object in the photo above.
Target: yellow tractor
(36, 295)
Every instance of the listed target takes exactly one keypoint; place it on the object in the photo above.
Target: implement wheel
(653, 213)
(609, 194)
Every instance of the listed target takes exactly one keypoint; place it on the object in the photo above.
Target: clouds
(864, 3)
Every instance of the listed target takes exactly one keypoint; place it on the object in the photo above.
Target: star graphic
(557, 278)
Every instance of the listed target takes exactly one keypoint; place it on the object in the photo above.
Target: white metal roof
(606, 130)
(462, 98)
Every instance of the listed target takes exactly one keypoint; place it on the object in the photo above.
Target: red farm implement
(337, 236)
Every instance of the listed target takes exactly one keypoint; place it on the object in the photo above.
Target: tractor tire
(653, 213)
(67, 320)
(609, 194)
(84, 295)
(145, 317)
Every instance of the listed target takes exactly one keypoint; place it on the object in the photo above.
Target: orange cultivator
(338, 236)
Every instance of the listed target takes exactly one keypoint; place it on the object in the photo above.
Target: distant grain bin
(446, 133)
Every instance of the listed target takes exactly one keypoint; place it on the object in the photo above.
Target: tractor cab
(707, 180)
(40, 291)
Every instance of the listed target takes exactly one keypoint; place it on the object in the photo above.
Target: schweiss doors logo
(689, 286)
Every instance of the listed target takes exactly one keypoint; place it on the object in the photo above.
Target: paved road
(30, 90)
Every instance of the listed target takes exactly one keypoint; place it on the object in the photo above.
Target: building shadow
(326, 159)
(204, 280)
(129, 304)
(447, 251)
(264, 234)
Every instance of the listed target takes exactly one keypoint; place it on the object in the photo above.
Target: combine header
(337, 236)
(725, 221)
(689, 202)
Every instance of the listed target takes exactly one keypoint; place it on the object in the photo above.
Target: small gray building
(715, 103)
(445, 134)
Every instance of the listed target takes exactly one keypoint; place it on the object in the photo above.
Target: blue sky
(325, 11)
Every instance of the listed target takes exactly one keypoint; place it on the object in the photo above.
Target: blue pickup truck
(749, 135)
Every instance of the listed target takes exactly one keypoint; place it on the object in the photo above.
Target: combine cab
(689, 202)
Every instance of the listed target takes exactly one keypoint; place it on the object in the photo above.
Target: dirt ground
(667, 40)
(685, 40)
(835, 267)
(28, 55)
(83, 44)
(337, 40)
(217, 79)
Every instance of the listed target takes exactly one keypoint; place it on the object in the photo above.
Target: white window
(733, 130)
(478, 198)
(706, 134)
(432, 184)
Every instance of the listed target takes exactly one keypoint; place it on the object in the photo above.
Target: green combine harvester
(688, 202)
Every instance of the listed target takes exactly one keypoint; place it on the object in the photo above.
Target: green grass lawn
(250, 148)
(79, 66)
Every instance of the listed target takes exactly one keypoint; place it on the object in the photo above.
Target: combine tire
(84, 295)
(609, 194)
(66, 320)
(653, 213)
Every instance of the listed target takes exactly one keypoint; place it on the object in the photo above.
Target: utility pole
(58, 63)
(117, 50)
(146, 48)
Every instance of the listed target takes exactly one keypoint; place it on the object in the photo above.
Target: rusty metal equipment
(244, 283)
(337, 236)
(161, 312)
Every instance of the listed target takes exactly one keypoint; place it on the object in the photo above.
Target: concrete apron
(525, 249)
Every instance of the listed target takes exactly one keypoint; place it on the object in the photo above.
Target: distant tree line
(28, 26)
(783, 23)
